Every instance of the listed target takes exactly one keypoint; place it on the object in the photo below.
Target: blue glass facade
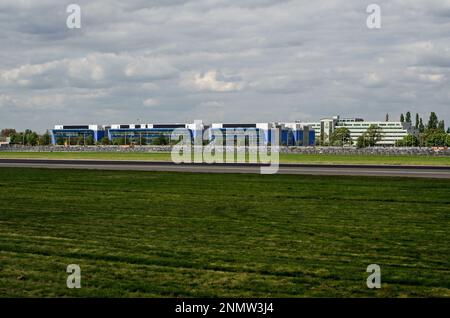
(251, 136)
(304, 138)
(73, 136)
(162, 135)
(140, 135)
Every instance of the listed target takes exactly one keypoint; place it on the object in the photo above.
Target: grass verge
(148, 234)
(284, 158)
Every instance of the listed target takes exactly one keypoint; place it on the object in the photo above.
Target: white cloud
(212, 104)
(6, 100)
(436, 78)
(92, 69)
(150, 102)
(150, 68)
(373, 79)
(214, 81)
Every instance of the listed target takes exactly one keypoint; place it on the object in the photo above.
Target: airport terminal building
(290, 133)
(142, 134)
(148, 134)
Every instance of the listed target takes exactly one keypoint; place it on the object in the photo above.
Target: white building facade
(391, 132)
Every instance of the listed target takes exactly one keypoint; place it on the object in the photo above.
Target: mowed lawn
(148, 234)
(284, 158)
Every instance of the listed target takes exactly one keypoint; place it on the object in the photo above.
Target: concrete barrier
(387, 151)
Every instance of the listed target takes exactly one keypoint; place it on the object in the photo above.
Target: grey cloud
(248, 60)
(435, 60)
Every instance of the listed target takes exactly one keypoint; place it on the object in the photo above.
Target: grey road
(305, 169)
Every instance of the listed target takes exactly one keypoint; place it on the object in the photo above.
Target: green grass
(159, 156)
(366, 159)
(284, 158)
(147, 234)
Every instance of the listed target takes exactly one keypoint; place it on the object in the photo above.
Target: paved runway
(305, 169)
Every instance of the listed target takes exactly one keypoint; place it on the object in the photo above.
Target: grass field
(147, 234)
(284, 158)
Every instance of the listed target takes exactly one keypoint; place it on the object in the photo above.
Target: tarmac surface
(442, 172)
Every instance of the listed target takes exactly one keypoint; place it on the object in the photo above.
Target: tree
(31, 138)
(374, 135)
(441, 125)
(361, 142)
(60, 141)
(105, 141)
(324, 139)
(436, 138)
(433, 121)
(16, 138)
(417, 121)
(45, 139)
(90, 140)
(370, 137)
(28, 137)
(340, 137)
(408, 141)
(402, 118)
(80, 140)
(387, 117)
(408, 117)
(8, 132)
(421, 126)
(140, 140)
(119, 141)
(160, 140)
(448, 130)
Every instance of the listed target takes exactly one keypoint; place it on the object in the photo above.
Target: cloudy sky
(220, 61)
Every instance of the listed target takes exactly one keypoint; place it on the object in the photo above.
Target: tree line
(26, 138)
(88, 140)
(433, 134)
